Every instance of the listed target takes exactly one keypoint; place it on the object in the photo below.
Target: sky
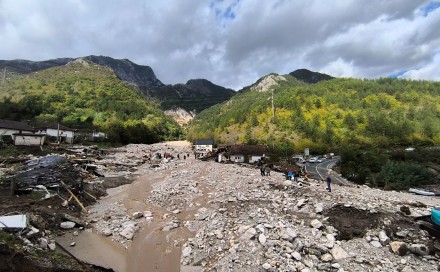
(232, 43)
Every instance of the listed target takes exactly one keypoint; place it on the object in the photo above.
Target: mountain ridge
(202, 93)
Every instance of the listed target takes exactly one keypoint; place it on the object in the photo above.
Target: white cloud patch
(230, 42)
(429, 71)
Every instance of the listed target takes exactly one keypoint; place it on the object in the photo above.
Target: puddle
(95, 249)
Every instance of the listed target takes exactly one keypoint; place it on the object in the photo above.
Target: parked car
(313, 159)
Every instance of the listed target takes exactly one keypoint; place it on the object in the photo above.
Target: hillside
(331, 113)
(309, 76)
(196, 94)
(83, 94)
(366, 120)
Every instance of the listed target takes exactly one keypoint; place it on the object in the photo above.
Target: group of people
(265, 169)
(293, 175)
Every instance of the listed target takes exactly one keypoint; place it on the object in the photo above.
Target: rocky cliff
(196, 95)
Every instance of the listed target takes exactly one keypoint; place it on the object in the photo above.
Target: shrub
(403, 175)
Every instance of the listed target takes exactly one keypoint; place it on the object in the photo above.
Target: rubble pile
(246, 222)
(242, 221)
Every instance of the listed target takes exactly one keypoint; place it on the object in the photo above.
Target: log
(74, 197)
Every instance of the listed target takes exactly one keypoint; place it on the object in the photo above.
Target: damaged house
(243, 153)
(203, 147)
(20, 133)
(62, 133)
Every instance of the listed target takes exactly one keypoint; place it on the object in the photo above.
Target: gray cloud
(230, 42)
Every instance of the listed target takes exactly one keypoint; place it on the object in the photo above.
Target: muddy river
(151, 249)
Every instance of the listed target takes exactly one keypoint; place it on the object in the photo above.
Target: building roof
(204, 142)
(29, 134)
(15, 125)
(54, 126)
(257, 150)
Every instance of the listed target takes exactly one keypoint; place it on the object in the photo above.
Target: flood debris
(238, 220)
(13, 222)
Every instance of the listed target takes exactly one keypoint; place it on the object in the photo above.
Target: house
(245, 153)
(62, 133)
(203, 147)
(20, 133)
(28, 139)
(8, 128)
(89, 135)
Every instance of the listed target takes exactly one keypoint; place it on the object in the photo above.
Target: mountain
(82, 94)
(124, 69)
(196, 94)
(285, 111)
(309, 76)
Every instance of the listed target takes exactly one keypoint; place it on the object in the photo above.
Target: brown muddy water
(151, 250)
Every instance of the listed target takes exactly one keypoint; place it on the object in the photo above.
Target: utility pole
(58, 133)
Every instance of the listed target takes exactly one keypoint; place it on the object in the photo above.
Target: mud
(351, 222)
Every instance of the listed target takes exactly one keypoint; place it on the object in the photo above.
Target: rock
(266, 266)
(201, 214)
(402, 233)
(72, 244)
(74, 219)
(407, 269)
(419, 249)
(316, 224)
(107, 232)
(262, 239)
(32, 232)
(291, 233)
(336, 265)
(319, 207)
(137, 215)
(127, 232)
(186, 251)
(405, 210)
(324, 266)
(296, 255)
(383, 238)
(399, 248)
(218, 234)
(176, 211)
(301, 202)
(67, 225)
(327, 257)
(287, 183)
(338, 253)
(43, 243)
(75, 233)
(376, 244)
(52, 245)
(170, 225)
(148, 214)
(249, 234)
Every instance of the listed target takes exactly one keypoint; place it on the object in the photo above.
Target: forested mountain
(83, 94)
(196, 94)
(326, 115)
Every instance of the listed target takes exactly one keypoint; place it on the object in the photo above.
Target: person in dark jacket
(329, 181)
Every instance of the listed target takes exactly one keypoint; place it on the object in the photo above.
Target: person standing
(289, 175)
(329, 181)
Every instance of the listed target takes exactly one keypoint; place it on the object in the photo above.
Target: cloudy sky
(232, 42)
